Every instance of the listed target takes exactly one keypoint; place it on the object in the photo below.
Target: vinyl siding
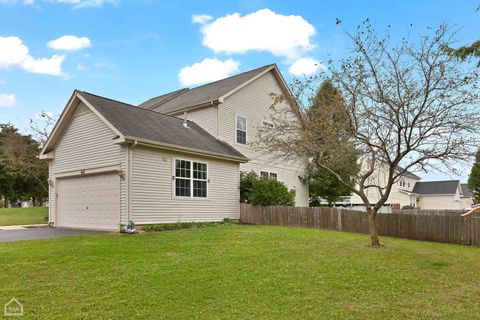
(253, 102)
(205, 118)
(466, 203)
(438, 202)
(152, 191)
(87, 143)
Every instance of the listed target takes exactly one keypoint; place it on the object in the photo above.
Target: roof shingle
(144, 124)
(185, 98)
(436, 187)
(467, 193)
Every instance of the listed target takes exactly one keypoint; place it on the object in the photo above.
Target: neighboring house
(466, 201)
(111, 162)
(439, 194)
(400, 195)
(410, 191)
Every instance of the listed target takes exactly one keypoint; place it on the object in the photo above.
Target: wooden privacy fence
(433, 227)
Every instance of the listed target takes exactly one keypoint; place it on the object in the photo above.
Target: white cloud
(15, 53)
(206, 71)
(51, 66)
(7, 100)
(201, 18)
(263, 30)
(12, 52)
(305, 67)
(69, 43)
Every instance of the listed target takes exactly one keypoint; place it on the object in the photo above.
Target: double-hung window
(190, 179)
(271, 175)
(241, 130)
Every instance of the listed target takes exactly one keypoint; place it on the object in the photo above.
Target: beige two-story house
(232, 110)
(176, 157)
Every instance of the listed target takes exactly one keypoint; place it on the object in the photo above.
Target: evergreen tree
(328, 104)
(474, 178)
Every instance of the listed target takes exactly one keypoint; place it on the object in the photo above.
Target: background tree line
(24, 177)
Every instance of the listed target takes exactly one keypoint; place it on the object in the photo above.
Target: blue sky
(133, 50)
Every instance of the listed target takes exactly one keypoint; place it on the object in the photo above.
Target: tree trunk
(372, 223)
(7, 201)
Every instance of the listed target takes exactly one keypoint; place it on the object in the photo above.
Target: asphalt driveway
(42, 233)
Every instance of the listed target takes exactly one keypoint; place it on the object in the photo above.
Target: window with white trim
(190, 179)
(241, 130)
(271, 175)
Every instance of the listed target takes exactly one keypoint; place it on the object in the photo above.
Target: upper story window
(402, 183)
(271, 175)
(190, 179)
(241, 130)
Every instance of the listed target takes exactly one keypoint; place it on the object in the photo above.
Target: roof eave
(66, 115)
(152, 143)
(55, 131)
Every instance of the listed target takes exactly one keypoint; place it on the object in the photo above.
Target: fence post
(339, 219)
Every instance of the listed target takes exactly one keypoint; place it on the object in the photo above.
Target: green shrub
(270, 192)
(407, 207)
(183, 225)
(247, 180)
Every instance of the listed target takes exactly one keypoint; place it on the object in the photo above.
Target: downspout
(129, 181)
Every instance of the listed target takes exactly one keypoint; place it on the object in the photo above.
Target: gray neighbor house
(176, 157)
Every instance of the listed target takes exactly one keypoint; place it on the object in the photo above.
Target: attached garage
(91, 202)
(111, 163)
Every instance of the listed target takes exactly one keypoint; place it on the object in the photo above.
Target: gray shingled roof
(467, 193)
(140, 123)
(407, 173)
(436, 187)
(156, 101)
(185, 98)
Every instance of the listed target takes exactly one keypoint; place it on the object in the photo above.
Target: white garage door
(91, 202)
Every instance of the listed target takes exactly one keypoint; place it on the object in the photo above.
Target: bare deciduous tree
(411, 105)
(41, 126)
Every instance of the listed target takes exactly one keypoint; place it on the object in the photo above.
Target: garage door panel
(89, 202)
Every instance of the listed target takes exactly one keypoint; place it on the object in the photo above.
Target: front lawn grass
(240, 272)
(17, 216)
